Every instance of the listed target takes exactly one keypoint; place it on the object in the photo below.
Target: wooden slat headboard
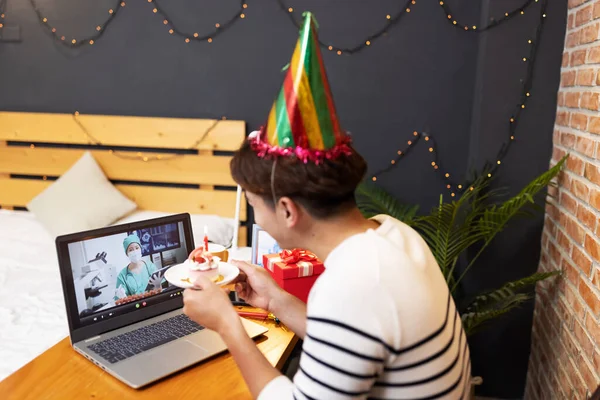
(163, 164)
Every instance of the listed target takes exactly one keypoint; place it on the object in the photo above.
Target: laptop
(126, 323)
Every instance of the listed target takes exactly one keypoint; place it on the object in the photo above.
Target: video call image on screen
(125, 267)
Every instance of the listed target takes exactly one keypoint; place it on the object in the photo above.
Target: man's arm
(291, 311)
(255, 368)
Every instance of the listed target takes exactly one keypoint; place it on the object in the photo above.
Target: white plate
(176, 273)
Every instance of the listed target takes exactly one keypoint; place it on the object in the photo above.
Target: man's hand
(256, 286)
(209, 305)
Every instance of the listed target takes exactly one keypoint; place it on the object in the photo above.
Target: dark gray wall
(424, 75)
(501, 352)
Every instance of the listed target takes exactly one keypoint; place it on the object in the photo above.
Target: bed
(165, 165)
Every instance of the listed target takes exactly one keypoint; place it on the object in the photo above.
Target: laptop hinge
(92, 338)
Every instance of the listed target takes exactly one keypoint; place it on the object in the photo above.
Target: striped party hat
(303, 122)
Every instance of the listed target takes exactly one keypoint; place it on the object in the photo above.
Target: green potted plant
(451, 228)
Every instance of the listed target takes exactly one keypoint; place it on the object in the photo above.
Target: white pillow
(220, 230)
(81, 199)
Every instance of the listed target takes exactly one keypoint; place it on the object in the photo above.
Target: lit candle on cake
(205, 238)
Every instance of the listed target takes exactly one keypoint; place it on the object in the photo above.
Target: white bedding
(32, 309)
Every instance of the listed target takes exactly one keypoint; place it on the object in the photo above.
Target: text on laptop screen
(123, 272)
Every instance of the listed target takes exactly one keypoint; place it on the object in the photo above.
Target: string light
(1, 17)
(61, 38)
(401, 153)
(391, 20)
(526, 93)
(219, 27)
(493, 22)
(139, 155)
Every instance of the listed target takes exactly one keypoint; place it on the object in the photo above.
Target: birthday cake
(201, 261)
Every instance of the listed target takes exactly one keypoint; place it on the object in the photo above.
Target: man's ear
(291, 211)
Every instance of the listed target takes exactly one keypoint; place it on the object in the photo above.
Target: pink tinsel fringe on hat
(266, 150)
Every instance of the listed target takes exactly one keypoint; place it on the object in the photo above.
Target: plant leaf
(473, 321)
(495, 299)
(493, 219)
(372, 201)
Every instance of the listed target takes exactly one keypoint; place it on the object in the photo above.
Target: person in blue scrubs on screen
(135, 277)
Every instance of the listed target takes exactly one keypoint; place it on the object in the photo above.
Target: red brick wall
(565, 350)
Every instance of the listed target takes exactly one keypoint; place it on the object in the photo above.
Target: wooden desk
(61, 373)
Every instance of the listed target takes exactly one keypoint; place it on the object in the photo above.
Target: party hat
(303, 121)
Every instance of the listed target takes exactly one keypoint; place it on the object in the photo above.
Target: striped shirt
(381, 325)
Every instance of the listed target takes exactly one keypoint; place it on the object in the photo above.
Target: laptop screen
(122, 272)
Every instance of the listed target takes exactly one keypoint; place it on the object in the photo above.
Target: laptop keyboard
(129, 344)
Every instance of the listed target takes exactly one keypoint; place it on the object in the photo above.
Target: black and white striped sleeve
(344, 350)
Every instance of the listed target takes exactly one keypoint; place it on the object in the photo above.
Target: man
(380, 321)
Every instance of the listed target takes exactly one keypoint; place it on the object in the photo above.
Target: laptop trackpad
(161, 361)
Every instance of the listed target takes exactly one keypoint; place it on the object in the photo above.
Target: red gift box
(294, 270)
